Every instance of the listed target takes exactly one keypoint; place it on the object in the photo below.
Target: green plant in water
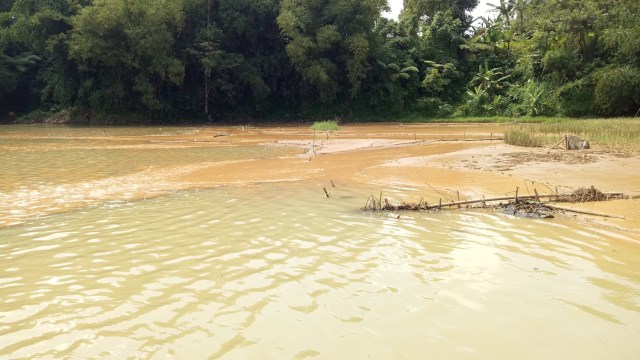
(327, 127)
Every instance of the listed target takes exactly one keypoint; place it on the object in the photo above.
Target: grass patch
(325, 126)
(619, 134)
(522, 137)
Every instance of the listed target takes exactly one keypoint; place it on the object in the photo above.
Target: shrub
(617, 90)
(326, 126)
(576, 98)
(533, 99)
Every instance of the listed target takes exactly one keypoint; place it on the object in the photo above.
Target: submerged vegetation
(208, 60)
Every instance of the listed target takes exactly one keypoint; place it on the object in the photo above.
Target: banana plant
(491, 80)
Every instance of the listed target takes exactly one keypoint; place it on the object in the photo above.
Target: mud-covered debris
(527, 209)
(589, 194)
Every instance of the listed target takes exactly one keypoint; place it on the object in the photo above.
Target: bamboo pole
(469, 202)
(585, 212)
(536, 197)
(558, 143)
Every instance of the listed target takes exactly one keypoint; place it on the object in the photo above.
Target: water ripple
(280, 276)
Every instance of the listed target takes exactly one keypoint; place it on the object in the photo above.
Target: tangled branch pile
(588, 194)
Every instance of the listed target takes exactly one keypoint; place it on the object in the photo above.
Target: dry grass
(522, 136)
(613, 134)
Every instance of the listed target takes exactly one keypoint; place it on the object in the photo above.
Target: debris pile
(588, 194)
(527, 209)
(530, 206)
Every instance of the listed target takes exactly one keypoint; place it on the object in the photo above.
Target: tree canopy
(179, 60)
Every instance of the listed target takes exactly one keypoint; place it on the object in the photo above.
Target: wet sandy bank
(444, 160)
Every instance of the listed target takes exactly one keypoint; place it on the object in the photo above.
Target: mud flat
(446, 160)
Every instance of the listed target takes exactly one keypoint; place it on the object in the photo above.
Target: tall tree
(126, 52)
(416, 11)
(330, 43)
(234, 55)
(42, 28)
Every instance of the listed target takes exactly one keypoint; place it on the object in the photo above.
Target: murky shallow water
(279, 271)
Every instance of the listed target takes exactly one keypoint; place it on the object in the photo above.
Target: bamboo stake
(469, 202)
(585, 212)
(470, 140)
(441, 194)
(537, 197)
(554, 146)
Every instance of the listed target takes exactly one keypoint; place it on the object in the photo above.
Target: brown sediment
(414, 155)
(435, 158)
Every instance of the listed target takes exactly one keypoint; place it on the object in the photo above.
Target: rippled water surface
(279, 271)
(48, 169)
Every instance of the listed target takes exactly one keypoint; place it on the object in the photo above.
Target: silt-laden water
(279, 271)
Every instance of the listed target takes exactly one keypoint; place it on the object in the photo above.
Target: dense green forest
(291, 59)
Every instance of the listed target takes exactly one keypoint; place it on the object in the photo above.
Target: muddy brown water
(170, 242)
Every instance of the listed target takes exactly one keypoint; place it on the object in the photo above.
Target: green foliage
(213, 59)
(533, 98)
(330, 43)
(12, 67)
(325, 126)
(621, 33)
(617, 90)
(485, 95)
(442, 37)
(576, 98)
(127, 47)
(439, 78)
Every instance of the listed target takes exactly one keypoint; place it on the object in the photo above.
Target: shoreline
(434, 159)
